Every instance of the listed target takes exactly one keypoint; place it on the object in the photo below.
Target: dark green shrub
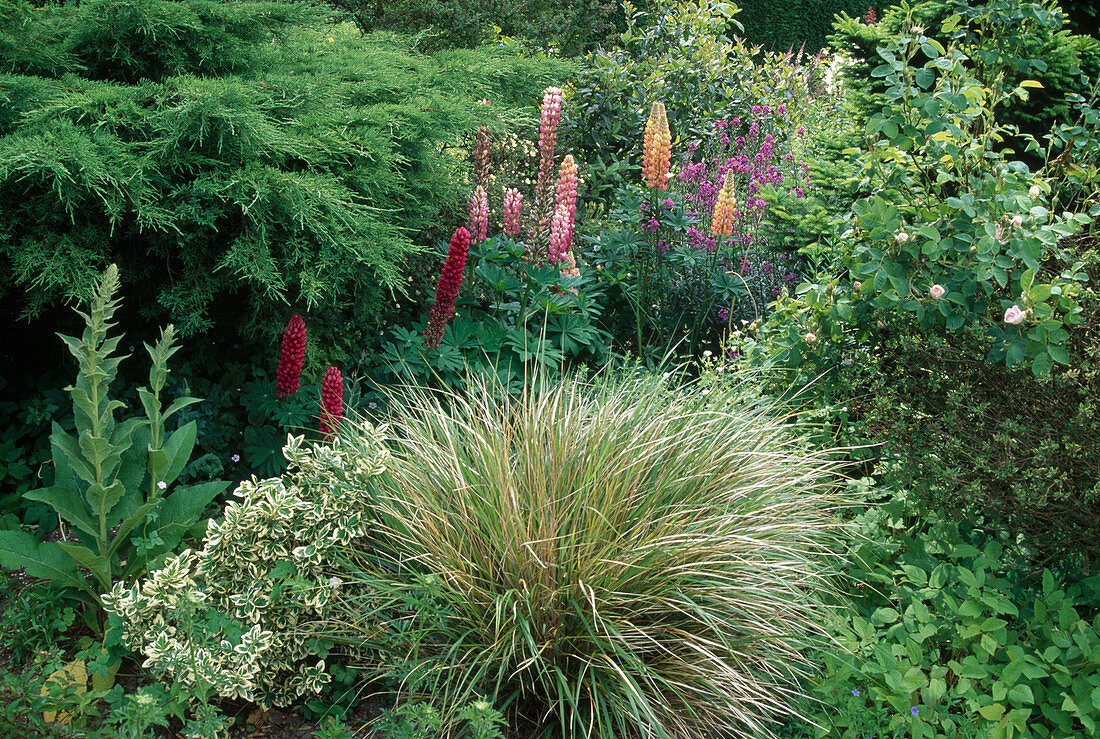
(780, 25)
(1032, 43)
(235, 175)
(572, 26)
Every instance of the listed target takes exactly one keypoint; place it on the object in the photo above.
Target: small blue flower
(914, 711)
(855, 692)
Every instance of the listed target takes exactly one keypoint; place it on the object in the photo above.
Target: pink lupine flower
(332, 401)
(1014, 316)
(481, 157)
(937, 292)
(565, 209)
(513, 202)
(548, 137)
(291, 356)
(479, 215)
(447, 291)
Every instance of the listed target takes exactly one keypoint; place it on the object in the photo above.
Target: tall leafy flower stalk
(656, 163)
(332, 402)
(291, 357)
(446, 291)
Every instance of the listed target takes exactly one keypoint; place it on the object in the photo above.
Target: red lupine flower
(513, 202)
(332, 401)
(447, 291)
(291, 356)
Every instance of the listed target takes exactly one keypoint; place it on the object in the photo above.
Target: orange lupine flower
(724, 208)
(657, 148)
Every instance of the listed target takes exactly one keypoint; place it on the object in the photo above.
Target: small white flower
(707, 353)
(1035, 191)
(235, 458)
(811, 337)
(1017, 221)
(706, 392)
(162, 484)
(901, 237)
(334, 582)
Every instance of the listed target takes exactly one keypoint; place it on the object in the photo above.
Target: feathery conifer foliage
(231, 157)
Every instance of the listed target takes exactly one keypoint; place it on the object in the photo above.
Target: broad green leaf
(128, 525)
(992, 712)
(69, 505)
(182, 509)
(102, 499)
(46, 560)
(97, 564)
(70, 456)
(178, 450)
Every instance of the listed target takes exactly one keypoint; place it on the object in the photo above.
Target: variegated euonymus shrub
(233, 617)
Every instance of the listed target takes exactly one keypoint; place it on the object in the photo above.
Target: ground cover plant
(724, 393)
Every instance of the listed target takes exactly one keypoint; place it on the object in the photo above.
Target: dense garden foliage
(563, 369)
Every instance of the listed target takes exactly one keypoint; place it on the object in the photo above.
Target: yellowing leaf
(74, 673)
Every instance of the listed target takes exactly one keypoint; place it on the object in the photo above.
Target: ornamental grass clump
(599, 559)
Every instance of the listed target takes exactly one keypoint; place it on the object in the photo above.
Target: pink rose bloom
(1014, 315)
(937, 292)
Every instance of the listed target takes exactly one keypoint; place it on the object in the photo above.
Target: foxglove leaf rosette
(332, 401)
(447, 291)
(657, 149)
(291, 357)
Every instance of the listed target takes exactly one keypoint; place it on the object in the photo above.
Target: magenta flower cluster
(750, 149)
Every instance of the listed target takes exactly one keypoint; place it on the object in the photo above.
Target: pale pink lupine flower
(513, 203)
(548, 136)
(565, 210)
(1014, 316)
(479, 215)
(937, 292)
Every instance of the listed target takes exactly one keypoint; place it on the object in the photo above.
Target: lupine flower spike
(513, 202)
(291, 356)
(565, 210)
(447, 290)
(481, 158)
(332, 402)
(725, 207)
(657, 149)
(548, 137)
(479, 215)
